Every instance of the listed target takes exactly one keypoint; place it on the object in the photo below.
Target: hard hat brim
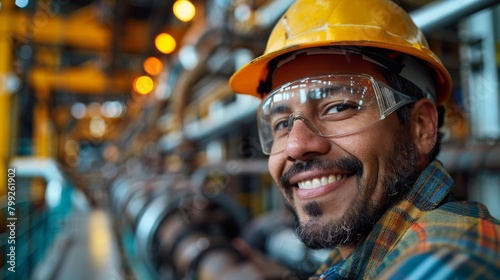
(247, 79)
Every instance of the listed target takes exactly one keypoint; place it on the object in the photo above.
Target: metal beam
(43, 133)
(82, 79)
(82, 29)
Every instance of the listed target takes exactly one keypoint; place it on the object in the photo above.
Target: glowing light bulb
(184, 10)
(153, 66)
(165, 43)
(143, 85)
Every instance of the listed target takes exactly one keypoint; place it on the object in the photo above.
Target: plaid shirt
(425, 236)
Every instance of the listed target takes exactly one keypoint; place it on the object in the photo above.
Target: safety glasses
(330, 105)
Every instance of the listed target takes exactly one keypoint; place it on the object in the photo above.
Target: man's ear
(424, 126)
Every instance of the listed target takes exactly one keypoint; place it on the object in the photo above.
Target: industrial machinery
(183, 230)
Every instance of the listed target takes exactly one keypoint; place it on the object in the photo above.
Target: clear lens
(330, 105)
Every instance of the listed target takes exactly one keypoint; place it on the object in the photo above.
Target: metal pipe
(472, 158)
(442, 13)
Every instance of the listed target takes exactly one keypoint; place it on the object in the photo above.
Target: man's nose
(304, 140)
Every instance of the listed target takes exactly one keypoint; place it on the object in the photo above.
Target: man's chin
(317, 234)
(327, 231)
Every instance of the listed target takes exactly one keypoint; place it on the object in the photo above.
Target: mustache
(349, 164)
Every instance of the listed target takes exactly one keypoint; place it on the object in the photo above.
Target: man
(349, 118)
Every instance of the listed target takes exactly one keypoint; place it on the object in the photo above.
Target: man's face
(346, 183)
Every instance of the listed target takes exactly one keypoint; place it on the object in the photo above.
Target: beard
(363, 214)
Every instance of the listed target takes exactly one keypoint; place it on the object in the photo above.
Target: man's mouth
(321, 181)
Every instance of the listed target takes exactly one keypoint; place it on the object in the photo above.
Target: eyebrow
(284, 108)
(325, 89)
(280, 109)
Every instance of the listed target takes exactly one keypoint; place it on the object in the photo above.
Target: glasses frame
(388, 100)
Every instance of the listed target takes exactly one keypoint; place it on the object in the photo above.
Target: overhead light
(153, 66)
(112, 109)
(12, 82)
(242, 12)
(22, 3)
(143, 85)
(188, 57)
(97, 127)
(78, 110)
(94, 109)
(184, 10)
(165, 43)
(71, 148)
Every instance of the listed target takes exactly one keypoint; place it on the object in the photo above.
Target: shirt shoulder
(455, 237)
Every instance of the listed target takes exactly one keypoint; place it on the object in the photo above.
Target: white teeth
(331, 179)
(308, 185)
(318, 182)
(324, 180)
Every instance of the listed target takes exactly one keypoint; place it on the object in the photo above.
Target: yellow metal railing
(6, 122)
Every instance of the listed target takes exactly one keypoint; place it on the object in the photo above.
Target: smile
(322, 181)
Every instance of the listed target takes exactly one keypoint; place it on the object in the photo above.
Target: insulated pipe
(141, 196)
(121, 191)
(184, 233)
(273, 234)
(442, 13)
(148, 225)
(471, 159)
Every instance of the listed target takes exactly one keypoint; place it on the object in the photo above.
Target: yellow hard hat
(379, 24)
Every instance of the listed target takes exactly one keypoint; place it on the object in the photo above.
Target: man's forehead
(303, 66)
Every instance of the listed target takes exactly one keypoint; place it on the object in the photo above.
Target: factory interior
(131, 157)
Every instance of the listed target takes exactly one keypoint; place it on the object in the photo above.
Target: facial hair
(359, 219)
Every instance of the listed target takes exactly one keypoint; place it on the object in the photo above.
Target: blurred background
(133, 159)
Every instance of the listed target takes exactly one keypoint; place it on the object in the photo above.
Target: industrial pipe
(442, 13)
(470, 159)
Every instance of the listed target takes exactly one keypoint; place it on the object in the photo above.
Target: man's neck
(346, 249)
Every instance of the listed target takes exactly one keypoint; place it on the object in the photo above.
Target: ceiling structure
(88, 52)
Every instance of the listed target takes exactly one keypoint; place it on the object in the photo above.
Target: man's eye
(342, 107)
(280, 126)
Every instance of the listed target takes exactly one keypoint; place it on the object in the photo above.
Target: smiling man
(351, 107)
